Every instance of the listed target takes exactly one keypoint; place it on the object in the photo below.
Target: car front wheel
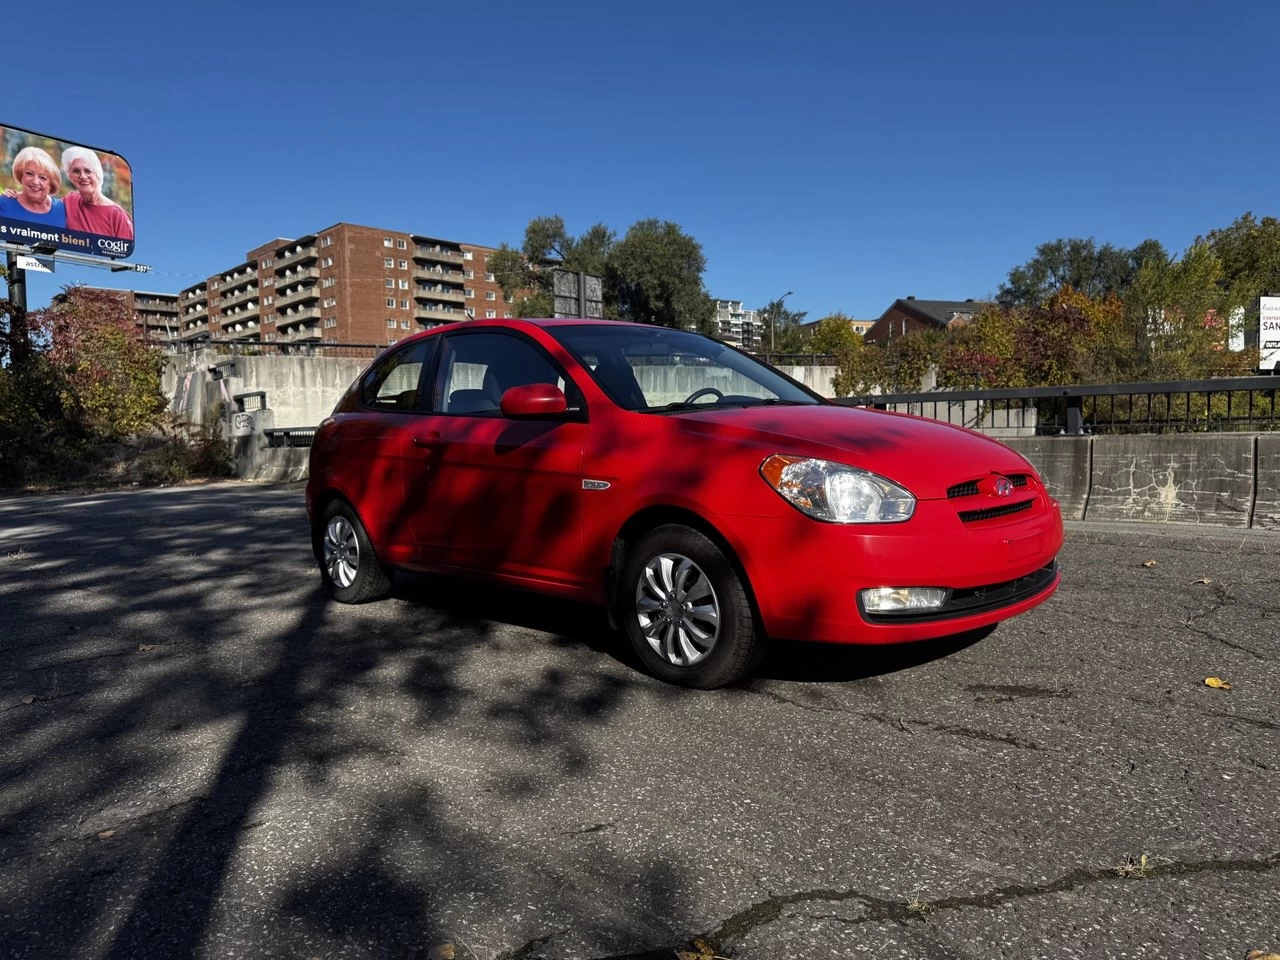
(686, 610)
(348, 566)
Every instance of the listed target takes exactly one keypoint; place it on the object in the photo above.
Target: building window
(490, 295)
(329, 281)
(507, 314)
(328, 261)
(404, 284)
(470, 292)
(404, 304)
(490, 314)
(466, 254)
(331, 301)
(391, 301)
(404, 324)
(388, 262)
(271, 336)
(470, 311)
(404, 264)
(489, 277)
(386, 241)
(469, 274)
(402, 245)
(330, 322)
(391, 323)
(268, 301)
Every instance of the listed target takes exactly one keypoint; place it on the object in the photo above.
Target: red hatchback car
(708, 501)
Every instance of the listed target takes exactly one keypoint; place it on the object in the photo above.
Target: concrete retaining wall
(1065, 465)
(1266, 505)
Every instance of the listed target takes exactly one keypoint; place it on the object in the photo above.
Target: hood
(925, 456)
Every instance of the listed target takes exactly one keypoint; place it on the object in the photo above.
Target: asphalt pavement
(200, 756)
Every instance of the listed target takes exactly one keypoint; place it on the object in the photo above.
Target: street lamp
(773, 321)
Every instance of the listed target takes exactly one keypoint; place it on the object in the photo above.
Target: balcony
(302, 333)
(438, 274)
(197, 309)
(439, 314)
(448, 294)
(240, 296)
(311, 292)
(302, 256)
(304, 273)
(240, 325)
(438, 254)
(297, 315)
(193, 330)
(156, 305)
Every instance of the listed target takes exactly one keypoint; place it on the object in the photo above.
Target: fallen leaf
(444, 951)
(146, 647)
(106, 834)
(1148, 563)
(28, 700)
(1217, 683)
(1202, 580)
(1260, 955)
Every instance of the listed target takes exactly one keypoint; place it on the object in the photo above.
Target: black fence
(1184, 406)
(290, 436)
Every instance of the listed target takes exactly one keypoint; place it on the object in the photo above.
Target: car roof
(517, 322)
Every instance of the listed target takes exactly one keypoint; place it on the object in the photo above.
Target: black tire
(370, 579)
(738, 642)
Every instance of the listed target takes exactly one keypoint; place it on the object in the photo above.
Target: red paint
(504, 499)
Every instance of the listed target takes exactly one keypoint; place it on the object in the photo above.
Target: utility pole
(19, 336)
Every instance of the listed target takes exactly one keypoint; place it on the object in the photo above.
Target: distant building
(859, 327)
(909, 315)
(155, 314)
(346, 284)
(743, 328)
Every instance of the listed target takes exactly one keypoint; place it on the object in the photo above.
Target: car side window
(476, 369)
(392, 383)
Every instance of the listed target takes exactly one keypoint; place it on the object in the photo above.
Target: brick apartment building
(346, 284)
(155, 315)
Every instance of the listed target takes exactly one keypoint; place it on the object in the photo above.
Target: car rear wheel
(686, 611)
(348, 566)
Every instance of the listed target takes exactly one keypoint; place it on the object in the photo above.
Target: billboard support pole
(18, 338)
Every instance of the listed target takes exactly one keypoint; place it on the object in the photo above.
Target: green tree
(655, 272)
(525, 275)
(1249, 251)
(1079, 264)
(783, 332)
(833, 335)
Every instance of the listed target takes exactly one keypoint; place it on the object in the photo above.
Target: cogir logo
(113, 246)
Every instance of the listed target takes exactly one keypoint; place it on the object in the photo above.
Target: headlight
(836, 492)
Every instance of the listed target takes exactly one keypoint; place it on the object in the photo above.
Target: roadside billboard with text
(1269, 333)
(60, 195)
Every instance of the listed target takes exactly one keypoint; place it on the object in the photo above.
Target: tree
(110, 380)
(1079, 264)
(655, 272)
(1249, 251)
(783, 332)
(834, 335)
(525, 275)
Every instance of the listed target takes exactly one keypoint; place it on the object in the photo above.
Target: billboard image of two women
(61, 195)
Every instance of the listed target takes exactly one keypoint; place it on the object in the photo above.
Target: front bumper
(806, 575)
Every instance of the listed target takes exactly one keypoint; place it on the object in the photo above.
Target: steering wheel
(704, 392)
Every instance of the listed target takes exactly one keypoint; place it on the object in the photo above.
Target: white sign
(1269, 333)
(31, 263)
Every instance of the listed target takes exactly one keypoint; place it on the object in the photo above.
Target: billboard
(1269, 333)
(63, 195)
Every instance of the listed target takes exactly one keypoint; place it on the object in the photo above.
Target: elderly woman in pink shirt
(87, 209)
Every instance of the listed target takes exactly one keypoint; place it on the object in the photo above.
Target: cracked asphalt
(201, 757)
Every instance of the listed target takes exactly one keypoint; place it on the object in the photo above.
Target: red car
(707, 500)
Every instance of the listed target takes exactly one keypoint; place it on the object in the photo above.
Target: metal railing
(797, 359)
(290, 436)
(309, 348)
(1183, 406)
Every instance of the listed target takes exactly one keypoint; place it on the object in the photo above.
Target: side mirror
(534, 401)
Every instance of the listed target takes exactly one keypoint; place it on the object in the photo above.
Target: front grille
(970, 488)
(965, 603)
(990, 513)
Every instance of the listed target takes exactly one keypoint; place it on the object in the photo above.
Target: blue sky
(850, 152)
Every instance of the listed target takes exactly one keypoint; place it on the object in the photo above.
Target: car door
(371, 432)
(492, 494)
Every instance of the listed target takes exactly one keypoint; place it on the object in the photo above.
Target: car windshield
(660, 370)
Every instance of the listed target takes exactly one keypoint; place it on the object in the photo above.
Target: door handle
(431, 441)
